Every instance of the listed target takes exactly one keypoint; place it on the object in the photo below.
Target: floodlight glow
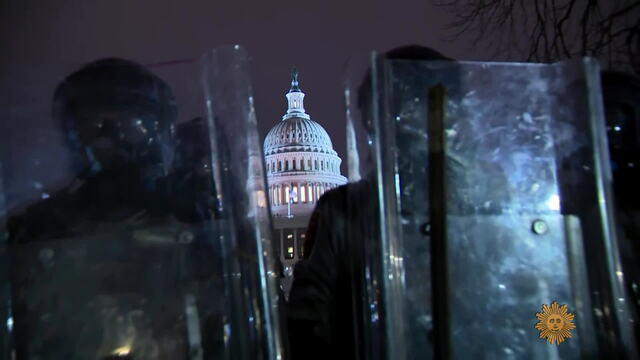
(554, 202)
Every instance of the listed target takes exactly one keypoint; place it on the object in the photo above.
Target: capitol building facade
(301, 165)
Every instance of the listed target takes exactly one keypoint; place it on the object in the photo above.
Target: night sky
(316, 36)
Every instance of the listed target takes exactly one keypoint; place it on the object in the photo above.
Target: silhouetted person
(326, 316)
(77, 277)
(192, 176)
(117, 118)
(329, 316)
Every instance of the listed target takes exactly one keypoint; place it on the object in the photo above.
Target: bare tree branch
(551, 30)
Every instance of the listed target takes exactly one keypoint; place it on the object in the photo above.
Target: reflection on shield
(490, 186)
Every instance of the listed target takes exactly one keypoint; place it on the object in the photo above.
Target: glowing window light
(295, 194)
(286, 194)
(310, 193)
(303, 192)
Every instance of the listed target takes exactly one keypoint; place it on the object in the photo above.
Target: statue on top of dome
(294, 80)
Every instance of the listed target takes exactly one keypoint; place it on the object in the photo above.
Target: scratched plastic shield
(491, 190)
(134, 216)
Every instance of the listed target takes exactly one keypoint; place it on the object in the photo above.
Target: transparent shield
(135, 224)
(491, 198)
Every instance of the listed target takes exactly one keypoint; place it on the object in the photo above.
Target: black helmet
(117, 113)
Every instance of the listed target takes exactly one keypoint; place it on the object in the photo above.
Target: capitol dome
(300, 160)
(298, 134)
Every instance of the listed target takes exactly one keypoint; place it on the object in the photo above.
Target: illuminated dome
(300, 160)
(298, 134)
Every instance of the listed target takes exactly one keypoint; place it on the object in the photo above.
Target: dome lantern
(295, 98)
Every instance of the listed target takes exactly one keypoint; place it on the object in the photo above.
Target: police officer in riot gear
(76, 283)
(326, 316)
(192, 174)
(118, 121)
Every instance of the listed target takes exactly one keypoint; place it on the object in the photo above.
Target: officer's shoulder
(46, 217)
(350, 192)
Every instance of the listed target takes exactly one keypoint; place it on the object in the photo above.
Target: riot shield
(136, 218)
(489, 202)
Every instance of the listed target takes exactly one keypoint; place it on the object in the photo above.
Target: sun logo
(555, 323)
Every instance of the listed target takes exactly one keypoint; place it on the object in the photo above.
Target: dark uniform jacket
(326, 306)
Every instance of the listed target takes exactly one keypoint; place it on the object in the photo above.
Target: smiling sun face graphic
(555, 323)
